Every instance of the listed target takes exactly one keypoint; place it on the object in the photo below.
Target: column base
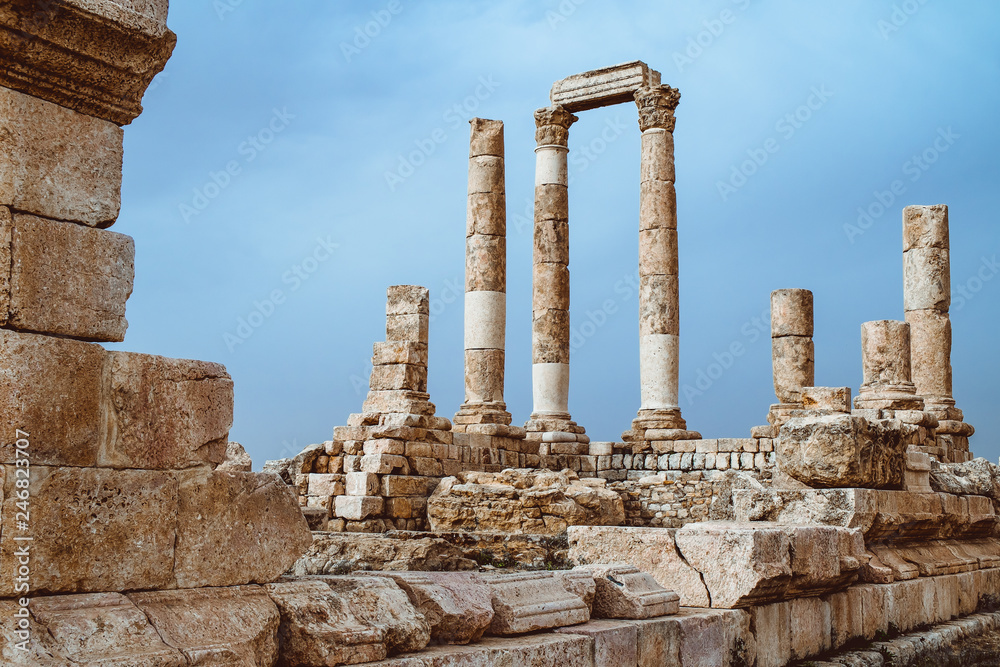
(664, 424)
(554, 427)
(943, 407)
(888, 397)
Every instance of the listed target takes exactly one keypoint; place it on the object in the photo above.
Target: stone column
(659, 320)
(885, 355)
(792, 351)
(550, 278)
(485, 280)
(926, 300)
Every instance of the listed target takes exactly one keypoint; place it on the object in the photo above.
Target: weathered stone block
(624, 591)
(526, 602)
(215, 626)
(740, 563)
(101, 628)
(398, 376)
(318, 627)
(51, 388)
(168, 413)
(651, 549)
(94, 529)
(615, 642)
(407, 300)
(362, 484)
(102, 76)
(398, 352)
(842, 451)
(412, 328)
(358, 508)
(522, 501)
(603, 87)
(58, 163)
(236, 528)
(65, 279)
(486, 137)
(379, 603)
(834, 399)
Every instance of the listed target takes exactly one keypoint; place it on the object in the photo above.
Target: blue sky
(294, 162)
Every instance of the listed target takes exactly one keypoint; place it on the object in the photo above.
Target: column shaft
(485, 279)
(792, 351)
(659, 312)
(550, 276)
(926, 300)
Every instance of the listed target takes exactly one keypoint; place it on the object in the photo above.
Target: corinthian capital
(656, 107)
(552, 125)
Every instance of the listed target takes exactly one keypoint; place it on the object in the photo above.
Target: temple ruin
(847, 530)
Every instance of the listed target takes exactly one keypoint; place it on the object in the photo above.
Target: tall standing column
(485, 280)
(659, 317)
(550, 278)
(926, 300)
(792, 351)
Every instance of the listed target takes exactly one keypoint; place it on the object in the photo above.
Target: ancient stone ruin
(848, 530)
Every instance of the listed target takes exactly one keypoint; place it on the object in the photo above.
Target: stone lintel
(603, 87)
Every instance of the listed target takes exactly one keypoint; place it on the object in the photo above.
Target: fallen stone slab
(530, 601)
(318, 627)
(458, 606)
(652, 550)
(215, 626)
(624, 591)
(380, 603)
